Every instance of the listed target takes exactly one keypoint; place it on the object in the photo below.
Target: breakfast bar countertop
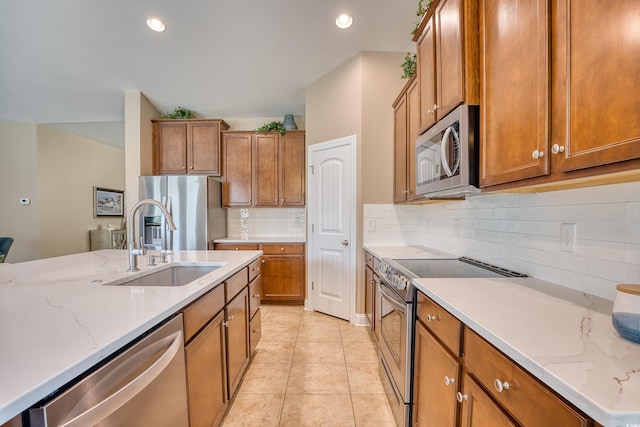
(58, 318)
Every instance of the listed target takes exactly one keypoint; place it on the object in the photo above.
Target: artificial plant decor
(179, 113)
(409, 65)
(275, 126)
(423, 6)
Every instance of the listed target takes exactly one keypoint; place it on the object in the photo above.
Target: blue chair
(5, 244)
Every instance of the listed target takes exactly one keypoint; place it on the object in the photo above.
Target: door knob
(345, 243)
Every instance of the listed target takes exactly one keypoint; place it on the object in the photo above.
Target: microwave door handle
(444, 146)
(456, 142)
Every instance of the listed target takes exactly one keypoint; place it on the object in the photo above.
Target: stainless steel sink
(177, 275)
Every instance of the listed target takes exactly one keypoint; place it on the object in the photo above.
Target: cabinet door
(449, 56)
(265, 175)
(237, 315)
(596, 95)
(207, 375)
(283, 278)
(400, 150)
(170, 144)
(203, 148)
(478, 410)
(514, 110)
(413, 131)
(292, 169)
(426, 50)
(436, 379)
(237, 183)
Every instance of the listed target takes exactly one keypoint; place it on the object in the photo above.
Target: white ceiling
(69, 62)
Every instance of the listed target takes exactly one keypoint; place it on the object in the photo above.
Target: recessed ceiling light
(344, 21)
(156, 24)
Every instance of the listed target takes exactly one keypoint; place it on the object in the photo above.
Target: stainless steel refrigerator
(195, 203)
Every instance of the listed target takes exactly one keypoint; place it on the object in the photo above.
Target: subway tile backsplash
(522, 232)
(249, 223)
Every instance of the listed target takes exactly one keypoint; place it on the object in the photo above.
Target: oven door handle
(392, 300)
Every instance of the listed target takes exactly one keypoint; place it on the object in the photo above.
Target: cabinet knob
(191, 167)
(461, 397)
(555, 148)
(433, 317)
(275, 200)
(231, 318)
(537, 154)
(435, 107)
(256, 296)
(500, 386)
(256, 331)
(281, 249)
(449, 381)
(225, 324)
(263, 261)
(430, 112)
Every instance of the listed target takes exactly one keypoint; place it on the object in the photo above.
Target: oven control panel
(393, 277)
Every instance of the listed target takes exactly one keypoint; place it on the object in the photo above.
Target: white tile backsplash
(522, 232)
(248, 223)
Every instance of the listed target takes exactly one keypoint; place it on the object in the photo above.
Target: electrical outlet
(568, 237)
(371, 224)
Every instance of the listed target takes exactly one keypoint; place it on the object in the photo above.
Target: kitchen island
(563, 337)
(58, 318)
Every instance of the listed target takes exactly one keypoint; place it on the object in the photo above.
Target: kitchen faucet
(133, 249)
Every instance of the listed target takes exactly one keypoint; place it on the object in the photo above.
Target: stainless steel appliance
(143, 386)
(195, 203)
(447, 155)
(396, 318)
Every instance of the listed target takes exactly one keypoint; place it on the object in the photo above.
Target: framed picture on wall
(108, 202)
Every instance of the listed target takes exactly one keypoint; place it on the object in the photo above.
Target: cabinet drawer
(283, 249)
(443, 324)
(236, 246)
(254, 269)
(255, 331)
(529, 401)
(235, 283)
(255, 295)
(199, 312)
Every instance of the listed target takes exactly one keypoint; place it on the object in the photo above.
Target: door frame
(351, 142)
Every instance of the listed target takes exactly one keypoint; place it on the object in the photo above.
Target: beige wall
(138, 142)
(19, 178)
(69, 166)
(355, 98)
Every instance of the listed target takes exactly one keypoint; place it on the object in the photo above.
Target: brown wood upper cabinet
(559, 97)
(264, 170)
(447, 49)
(187, 146)
(406, 113)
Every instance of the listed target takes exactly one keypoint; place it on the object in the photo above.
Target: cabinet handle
(231, 318)
(537, 154)
(191, 167)
(430, 112)
(225, 324)
(433, 317)
(435, 107)
(256, 331)
(282, 200)
(461, 397)
(263, 261)
(256, 296)
(275, 200)
(555, 148)
(449, 381)
(501, 386)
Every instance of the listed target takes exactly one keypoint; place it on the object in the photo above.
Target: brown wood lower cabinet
(495, 391)
(207, 374)
(283, 270)
(216, 328)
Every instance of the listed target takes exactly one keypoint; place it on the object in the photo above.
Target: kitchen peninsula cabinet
(494, 388)
(187, 146)
(263, 170)
(406, 124)
(447, 51)
(559, 94)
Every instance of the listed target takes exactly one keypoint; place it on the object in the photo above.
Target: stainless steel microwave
(447, 155)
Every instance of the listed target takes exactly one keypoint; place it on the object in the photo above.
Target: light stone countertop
(261, 240)
(561, 336)
(57, 320)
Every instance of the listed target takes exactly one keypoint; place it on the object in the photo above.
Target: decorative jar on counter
(626, 312)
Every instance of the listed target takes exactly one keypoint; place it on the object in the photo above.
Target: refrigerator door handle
(167, 234)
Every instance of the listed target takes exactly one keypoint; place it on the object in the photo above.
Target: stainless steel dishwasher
(143, 386)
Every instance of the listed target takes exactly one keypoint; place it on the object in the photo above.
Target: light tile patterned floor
(310, 369)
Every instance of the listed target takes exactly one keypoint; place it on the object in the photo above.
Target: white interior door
(331, 273)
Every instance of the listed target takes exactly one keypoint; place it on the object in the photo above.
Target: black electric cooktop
(453, 268)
